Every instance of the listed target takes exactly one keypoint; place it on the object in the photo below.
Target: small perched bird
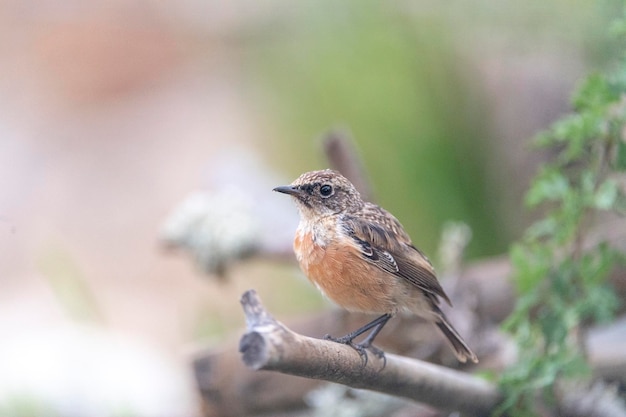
(360, 257)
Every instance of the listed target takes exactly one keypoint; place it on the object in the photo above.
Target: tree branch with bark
(270, 345)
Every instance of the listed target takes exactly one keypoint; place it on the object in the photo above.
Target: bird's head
(323, 193)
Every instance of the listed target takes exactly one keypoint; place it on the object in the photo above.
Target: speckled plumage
(359, 256)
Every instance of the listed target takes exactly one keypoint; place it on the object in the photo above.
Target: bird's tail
(461, 350)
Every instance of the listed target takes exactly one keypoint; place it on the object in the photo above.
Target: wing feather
(373, 231)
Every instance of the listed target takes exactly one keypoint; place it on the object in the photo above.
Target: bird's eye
(326, 190)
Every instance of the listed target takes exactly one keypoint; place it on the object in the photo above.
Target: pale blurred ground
(111, 112)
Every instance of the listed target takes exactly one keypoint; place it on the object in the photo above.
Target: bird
(361, 258)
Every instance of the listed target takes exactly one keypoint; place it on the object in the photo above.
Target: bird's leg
(375, 326)
(379, 321)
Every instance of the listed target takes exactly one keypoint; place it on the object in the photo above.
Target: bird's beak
(287, 189)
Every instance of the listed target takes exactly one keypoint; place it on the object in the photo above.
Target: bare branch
(269, 345)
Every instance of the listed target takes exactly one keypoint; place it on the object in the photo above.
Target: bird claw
(343, 340)
(380, 354)
(361, 349)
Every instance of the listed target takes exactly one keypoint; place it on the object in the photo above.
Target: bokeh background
(112, 112)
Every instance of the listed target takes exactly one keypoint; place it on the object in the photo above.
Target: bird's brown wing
(384, 243)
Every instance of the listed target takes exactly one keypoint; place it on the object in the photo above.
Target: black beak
(287, 189)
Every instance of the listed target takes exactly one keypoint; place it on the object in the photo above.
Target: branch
(269, 345)
(342, 155)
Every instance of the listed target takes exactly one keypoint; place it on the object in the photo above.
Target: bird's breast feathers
(334, 263)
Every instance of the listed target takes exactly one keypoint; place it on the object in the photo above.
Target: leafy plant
(560, 273)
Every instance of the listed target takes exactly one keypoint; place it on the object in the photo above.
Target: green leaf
(550, 185)
(531, 266)
(599, 305)
(545, 139)
(619, 206)
(606, 195)
(542, 228)
(594, 93)
(576, 131)
(620, 158)
(595, 266)
(618, 28)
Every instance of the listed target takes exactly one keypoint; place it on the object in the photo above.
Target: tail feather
(461, 350)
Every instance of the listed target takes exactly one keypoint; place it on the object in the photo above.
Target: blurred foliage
(69, 284)
(396, 73)
(24, 405)
(561, 281)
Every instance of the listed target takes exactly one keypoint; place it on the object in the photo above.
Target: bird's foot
(380, 354)
(345, 340)
(361, 348)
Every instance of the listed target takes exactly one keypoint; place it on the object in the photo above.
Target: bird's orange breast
(337, 268)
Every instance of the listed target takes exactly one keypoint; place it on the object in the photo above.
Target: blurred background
(113, 112)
